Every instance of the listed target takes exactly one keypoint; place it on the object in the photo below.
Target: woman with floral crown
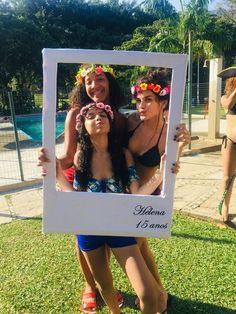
(93, 83)
(147, 131)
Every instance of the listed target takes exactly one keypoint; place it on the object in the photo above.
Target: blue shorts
(92, 242)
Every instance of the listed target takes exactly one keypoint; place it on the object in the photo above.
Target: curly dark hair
(115, 150)
(160, 76)
(79, 97)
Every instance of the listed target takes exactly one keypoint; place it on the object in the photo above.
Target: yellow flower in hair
(98, 69)
(84, 72)
(110, 70)
(143, 86)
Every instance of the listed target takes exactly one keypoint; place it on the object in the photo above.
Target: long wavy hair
(79, 97)
(230, 85)
(119, 165)
(160, 76)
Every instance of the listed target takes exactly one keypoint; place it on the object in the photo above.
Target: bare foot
(224, 215)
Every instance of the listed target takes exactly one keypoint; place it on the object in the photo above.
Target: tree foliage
(26, 27)
(29, 26)
(228, 10)
(161, 9)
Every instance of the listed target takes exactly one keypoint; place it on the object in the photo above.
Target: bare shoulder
(72, 113)
(133, 120)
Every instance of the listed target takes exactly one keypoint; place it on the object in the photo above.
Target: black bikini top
(232, 110)
(152, 157)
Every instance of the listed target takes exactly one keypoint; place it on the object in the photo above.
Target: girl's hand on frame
(182, 136)
(42, 158)
(176, 167)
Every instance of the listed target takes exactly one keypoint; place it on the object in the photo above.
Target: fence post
(11, 102)
(190, 85)
(214, 99)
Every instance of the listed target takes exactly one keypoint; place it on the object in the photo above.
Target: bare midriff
(231, 127)
(145, 173)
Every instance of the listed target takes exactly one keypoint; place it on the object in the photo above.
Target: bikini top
(232, 110)
(105, 186)
(152, 157)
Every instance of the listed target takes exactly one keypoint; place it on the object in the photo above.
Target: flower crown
(98, 105)
(98, 69)
(155, 88)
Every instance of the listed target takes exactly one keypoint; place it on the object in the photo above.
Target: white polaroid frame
(99, 213)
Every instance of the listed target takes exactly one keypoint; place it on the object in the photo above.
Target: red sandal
(120, 299)
(89, 303)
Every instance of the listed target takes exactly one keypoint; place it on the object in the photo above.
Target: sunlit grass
(39, 273)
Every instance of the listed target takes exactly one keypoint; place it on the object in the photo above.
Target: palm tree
(192, 21)
(161, 9)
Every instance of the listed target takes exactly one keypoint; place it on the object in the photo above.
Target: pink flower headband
(98, 105)
(85, 70)
(155, 88)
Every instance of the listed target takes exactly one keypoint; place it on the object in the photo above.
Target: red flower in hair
(151, 86)
(99, 70)
(157, 88)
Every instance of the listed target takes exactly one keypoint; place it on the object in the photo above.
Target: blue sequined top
(106, 186)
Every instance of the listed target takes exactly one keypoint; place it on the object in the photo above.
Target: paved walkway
(196, 192)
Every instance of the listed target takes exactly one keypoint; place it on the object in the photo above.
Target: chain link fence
(21, 135)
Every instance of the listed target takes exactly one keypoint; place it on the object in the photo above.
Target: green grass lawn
(39, 273)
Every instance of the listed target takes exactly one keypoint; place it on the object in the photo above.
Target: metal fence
(21, 124)
(21, 136)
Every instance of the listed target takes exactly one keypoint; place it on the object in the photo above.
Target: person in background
(228, 150)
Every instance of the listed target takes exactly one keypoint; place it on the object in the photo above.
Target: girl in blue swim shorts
(101, 165)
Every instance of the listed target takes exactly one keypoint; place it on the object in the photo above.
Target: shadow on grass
(177, 306)
(129, 301)
(180, 306)
(190, 236)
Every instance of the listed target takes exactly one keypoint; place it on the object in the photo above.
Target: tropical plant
(228, 10)
(161, 9)
(29, 26)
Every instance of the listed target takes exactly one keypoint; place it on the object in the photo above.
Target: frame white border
(98, 213)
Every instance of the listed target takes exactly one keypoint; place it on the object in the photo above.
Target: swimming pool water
(31, 125)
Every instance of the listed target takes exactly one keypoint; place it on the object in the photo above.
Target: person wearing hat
(228, 150)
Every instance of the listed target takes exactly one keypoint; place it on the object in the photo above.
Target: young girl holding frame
(102, 166)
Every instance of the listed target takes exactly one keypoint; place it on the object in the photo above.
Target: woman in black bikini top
(147, 137)
(152, 157)
(147, 128)
(228, 150)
